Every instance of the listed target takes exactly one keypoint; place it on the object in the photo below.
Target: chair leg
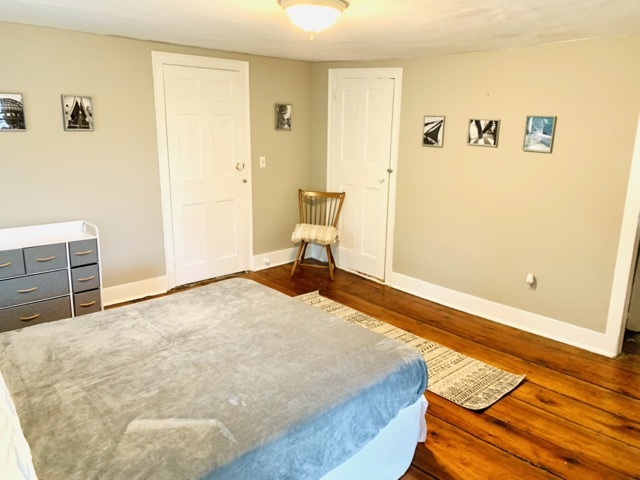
(301, 251)
(330, 261)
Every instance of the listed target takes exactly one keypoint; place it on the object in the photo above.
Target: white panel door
(360, 163)
(208, 171)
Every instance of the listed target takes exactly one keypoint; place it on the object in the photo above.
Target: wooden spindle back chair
(319, 215)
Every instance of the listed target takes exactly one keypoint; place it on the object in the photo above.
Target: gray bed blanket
(232, 380)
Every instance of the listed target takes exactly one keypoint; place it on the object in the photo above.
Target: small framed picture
(77, 113)
(283, 116)
(433, 131)
(12, 113)
(483, 132)
(538, 134)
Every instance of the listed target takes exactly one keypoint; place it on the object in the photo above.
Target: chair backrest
(320, 208)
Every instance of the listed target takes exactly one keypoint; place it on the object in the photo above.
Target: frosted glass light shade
(313, 16)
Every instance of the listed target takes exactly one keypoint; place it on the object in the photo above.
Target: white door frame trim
(394, 73)
(159, 59)
(625, 260)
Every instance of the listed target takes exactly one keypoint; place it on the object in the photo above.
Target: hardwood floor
(576, 415)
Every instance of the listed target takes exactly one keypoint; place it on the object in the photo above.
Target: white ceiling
(367, 30)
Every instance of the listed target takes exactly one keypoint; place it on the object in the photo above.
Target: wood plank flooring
(576, 415)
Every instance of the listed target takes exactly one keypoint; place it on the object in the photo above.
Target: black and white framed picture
(538, 134)
(433, 131)
(78, 113)
(12, 113)
(483, 132)
(283, 116)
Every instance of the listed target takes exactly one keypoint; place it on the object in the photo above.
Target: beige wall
(470, 219)
(110, 176)
(477, 220)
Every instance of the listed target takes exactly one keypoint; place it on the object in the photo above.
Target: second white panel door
(360, 132)
(208, 171)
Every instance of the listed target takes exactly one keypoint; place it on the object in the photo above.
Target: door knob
(239, 166)
(244, 180)
(381, 179)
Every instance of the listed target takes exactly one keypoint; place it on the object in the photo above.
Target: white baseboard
(530, 322)
(288, 255)
(134, 291)
(273, 259)
(154, 286)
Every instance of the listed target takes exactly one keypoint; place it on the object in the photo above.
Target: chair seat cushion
(320, 234)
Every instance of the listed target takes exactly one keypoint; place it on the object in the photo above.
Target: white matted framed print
(483, 133)
(77, 113)
(539, 133)
(283, 116)
(12, 113)
(433, 131)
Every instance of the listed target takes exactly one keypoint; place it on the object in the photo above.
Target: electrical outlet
(531, 281)
(263, 162)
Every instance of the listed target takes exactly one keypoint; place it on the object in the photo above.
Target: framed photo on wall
(12, 113)
(433, 131)
(483, 133)
(77, 113)
(283, 116)
(538, 134)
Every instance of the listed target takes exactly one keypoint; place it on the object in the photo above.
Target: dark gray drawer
(87, 302)
(45, 258)
(83, 252)
(85, 278)
(11, 263)
(16, 291)
(34, 313)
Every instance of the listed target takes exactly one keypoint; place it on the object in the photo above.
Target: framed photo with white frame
(77, 113)
(538, 134)
(483, 133)
(283, 116)
(12, 113)
(433, 131)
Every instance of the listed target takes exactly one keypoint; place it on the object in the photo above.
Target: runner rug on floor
(469, 383)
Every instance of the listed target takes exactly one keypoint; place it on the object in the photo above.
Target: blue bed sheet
(227, 381)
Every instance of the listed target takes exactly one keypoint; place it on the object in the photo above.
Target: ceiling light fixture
(313, 16)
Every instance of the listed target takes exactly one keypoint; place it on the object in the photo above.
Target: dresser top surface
(35, 235)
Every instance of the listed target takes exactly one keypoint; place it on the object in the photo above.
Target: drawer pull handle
(28, 290)
(46, 259)
(8, 264)
(28, 319)
(84, 253)
(88, 279)
(88, 304)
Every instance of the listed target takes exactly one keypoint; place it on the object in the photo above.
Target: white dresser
(48, 272)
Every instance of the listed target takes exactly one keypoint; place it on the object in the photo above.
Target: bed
(230, 380)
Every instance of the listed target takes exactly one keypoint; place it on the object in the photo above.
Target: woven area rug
(463, 380)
